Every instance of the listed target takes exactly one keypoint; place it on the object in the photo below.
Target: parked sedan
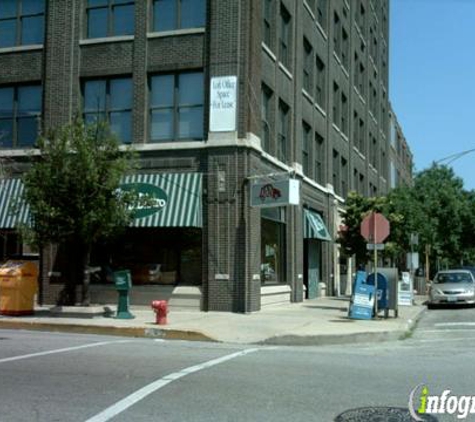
(452, 287)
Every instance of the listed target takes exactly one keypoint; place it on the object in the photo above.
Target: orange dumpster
(18, 286)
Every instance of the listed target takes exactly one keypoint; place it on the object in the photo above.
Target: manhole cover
(380, 414)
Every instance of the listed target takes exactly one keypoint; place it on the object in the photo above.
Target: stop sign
(375, 228)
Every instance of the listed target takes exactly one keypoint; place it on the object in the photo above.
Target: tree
(357, 207)
(436, 207)
(445, 213)
(72, 192)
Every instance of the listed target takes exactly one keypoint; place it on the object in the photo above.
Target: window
(337, 34)
(21, 22)
(336, 104)
(285, 37)
(266, 106)
(361, 186)
(321, 12)
(384, 165)
(344, 177)
(336, 171)
(374, 152)
(355, 129)
(306, 142)
(345, 48)
(319, 158)
(176, 107)
(360, 84)
(267, 14)
(320, 83)
(361, 17)
(307, 66)
(393, 133)
(108, 18)
(344, 114)
(273, 245)
(110, 100)
(284, 131)
(361, 137)
(20, 111)
(169, 15)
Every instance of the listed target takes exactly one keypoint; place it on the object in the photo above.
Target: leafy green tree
(357, 207)
(445, 213)
(436, 207)
(72, 192)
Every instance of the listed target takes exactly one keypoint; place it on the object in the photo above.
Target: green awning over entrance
(314, 227)
(178, 199)
(12, 211)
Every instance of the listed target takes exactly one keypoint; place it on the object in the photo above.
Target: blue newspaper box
(362, 301)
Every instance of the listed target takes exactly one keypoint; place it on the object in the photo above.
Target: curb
(189, 335)
(335, 339)
(144, 332)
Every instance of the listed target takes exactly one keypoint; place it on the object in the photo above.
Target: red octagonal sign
(375, 228)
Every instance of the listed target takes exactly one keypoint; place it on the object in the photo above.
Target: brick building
(252, 117)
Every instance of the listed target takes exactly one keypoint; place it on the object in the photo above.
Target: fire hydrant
(161, 310)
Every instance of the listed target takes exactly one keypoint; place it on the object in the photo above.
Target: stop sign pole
(375, 229)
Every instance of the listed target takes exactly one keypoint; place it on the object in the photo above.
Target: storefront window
(154, 256)
(273, 246)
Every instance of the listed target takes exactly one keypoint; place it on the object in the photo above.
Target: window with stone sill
(21, 22)
(20, 112)
(109, 18)
(266, 107)
(285, 37)
(169, 15)
(319, 158)
(110, 100)
(177, 107)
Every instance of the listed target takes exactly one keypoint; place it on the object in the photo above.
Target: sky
(432, 80)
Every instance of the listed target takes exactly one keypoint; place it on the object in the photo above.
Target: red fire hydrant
(161, 310)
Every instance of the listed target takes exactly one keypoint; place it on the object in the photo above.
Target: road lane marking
(454, 324)
(138, 395)
(444, 340)
(447, 330)
(66, 349)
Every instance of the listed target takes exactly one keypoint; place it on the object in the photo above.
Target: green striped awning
(13, 211)
(178, 199)
(314, 227)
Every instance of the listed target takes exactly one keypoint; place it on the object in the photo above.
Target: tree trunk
(86, 278)
(69, 270)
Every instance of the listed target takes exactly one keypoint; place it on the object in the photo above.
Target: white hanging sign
(223, 104)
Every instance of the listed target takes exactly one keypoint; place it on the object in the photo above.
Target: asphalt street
(70, 377)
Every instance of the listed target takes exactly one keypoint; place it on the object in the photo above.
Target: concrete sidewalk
(321, 321)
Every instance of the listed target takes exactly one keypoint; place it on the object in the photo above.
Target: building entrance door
(312, 270)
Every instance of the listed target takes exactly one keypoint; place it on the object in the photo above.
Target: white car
(452, 287)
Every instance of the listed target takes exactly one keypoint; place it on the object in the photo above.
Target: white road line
(135, 397)
(66, 349)
(447, 330)
(454, 324)
(444, 340)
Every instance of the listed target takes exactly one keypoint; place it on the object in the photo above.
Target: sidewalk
(321, 321)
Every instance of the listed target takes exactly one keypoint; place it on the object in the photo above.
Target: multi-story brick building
(252, 117)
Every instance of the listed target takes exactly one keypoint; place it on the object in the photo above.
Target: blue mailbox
(383, 290)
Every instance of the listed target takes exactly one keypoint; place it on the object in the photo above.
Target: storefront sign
(155, 197)
(266, 193)
(223, 104)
